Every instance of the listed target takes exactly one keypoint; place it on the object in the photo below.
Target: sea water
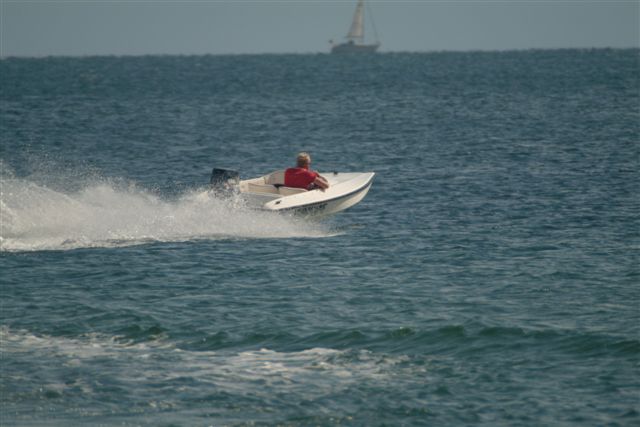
(490, 277)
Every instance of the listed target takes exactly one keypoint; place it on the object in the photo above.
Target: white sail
(355, 38)
(357, 25)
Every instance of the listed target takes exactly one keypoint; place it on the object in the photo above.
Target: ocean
(490, 277)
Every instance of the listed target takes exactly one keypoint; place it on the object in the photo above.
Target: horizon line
(434, 51)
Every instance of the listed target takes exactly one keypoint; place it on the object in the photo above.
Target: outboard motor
(224, 181)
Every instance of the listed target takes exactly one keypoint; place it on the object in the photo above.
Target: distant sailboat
(355, 38)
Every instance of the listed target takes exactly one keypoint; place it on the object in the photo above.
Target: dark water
(489, 278)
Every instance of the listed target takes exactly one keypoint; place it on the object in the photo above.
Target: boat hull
(328, 206)
(345, 190)
(351, 48)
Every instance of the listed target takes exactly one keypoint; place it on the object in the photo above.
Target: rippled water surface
(490, 277)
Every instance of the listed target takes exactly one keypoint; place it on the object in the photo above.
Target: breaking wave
(103, 213)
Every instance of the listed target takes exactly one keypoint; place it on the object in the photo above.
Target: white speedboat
(269, 193)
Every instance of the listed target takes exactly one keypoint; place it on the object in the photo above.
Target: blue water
(490, 277)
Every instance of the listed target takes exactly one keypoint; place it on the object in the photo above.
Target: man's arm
(321, 182)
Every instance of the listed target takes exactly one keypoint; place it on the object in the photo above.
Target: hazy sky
(120, 27)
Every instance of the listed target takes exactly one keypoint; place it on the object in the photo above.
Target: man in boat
(302, 177)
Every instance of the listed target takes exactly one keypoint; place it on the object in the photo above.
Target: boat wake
(110, 214)
(243, 377)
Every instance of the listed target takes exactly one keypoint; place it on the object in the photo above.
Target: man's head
(303, 160)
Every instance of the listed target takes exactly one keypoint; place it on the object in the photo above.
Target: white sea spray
(109, 214)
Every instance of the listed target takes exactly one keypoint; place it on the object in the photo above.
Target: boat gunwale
(312, 204)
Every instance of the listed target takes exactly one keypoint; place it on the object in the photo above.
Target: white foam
(104, 214)
(311, 372)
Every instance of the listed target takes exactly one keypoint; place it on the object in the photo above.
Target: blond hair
(303, 159)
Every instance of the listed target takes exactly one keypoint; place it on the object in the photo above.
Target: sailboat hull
(354, 48)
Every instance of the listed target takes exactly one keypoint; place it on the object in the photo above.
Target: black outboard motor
(224, 180)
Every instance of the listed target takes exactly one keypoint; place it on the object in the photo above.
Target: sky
(36, 28)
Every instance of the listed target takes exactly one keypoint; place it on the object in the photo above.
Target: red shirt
(299, 177)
